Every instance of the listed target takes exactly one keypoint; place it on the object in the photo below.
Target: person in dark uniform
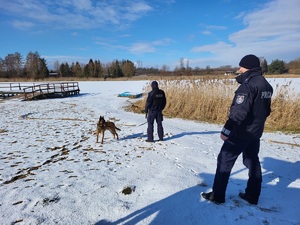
(155, 104)
(242, 132)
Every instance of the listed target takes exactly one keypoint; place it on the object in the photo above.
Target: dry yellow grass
(285, 110)
(209, 100)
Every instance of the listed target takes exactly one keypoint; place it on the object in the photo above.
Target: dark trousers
(226, 159)
(158, 116)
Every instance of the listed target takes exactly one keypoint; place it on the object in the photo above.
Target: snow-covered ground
(53, 172)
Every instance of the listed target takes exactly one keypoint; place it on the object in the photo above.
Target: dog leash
(142, 124)
(136, 125)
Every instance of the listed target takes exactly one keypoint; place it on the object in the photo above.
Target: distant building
(53, 74)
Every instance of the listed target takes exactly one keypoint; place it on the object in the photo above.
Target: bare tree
(76, 69)
(164, 70)
(2, 68)
(56, 66)
(181, 63)
(31, 65)
(294, 65)
(98, 68)
(13, 64)
(128, 68)
(139, 63)
(36, 66)
(263, 64)
(187, 64)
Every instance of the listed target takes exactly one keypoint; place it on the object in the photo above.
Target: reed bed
(209, 100)
(285, 115)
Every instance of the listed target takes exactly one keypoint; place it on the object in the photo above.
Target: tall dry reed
(209, 100)
(285, 115)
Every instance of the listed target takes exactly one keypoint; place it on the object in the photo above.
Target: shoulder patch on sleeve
(240, 99)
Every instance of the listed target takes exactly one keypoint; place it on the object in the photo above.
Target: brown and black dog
(103, 125)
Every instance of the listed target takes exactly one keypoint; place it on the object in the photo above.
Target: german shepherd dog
(103, 125)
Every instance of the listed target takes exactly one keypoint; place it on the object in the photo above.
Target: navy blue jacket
(250, 107)
(156, 100)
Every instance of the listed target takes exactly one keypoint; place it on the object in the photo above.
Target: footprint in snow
(179, 166)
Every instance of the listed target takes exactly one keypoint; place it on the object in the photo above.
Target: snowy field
(53, 172)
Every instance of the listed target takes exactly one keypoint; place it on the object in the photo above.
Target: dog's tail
(118, 128)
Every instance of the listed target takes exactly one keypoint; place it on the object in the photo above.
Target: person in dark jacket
(155, 104)
(242, 132)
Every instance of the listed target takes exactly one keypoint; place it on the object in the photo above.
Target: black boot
(248, 198)
(210, 197)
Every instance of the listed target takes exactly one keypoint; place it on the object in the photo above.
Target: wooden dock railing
(48, 90)
(39, 91)
(11, 89)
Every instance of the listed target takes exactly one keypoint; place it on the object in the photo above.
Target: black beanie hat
(249, 62)
(154, 84)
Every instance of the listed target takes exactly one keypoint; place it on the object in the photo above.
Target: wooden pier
(11, 89)
(39, 91)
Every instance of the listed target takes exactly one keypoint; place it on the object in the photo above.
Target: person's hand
(146, 115)
(223, 137)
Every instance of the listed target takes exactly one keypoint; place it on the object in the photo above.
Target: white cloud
(206, 32)
(141, 48)
(22, 25)
(218, 48)
(165, 41)
(149, 47)
(272, 32)
(214, 27)
(139, 7)
(74, 34)
(278, 18)
(79, 14)
(60, 57)
(82, 4)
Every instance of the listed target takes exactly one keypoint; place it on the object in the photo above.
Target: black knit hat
(249, 62)
(154, 84)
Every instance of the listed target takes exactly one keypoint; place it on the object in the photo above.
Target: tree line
(96, 69)
(35, 67)
(13, 66)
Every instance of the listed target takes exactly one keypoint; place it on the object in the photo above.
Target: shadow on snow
(185, 207)
(141, 135)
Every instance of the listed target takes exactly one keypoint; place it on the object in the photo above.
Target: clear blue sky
(154, 33)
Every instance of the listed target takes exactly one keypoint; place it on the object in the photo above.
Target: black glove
(146, 115)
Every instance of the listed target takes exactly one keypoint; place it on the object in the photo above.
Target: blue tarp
(130, 94)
